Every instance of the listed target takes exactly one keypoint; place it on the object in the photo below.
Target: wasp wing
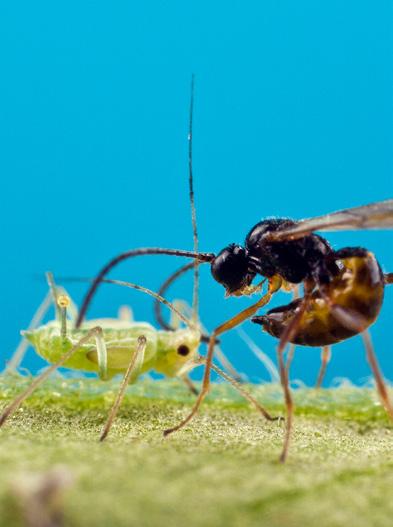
(374, 216)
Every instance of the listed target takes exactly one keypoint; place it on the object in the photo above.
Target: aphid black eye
(183, 350)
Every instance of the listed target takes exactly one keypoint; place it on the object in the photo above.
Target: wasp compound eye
(231, 268)
(183, 350)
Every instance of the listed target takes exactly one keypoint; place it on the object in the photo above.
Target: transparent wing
(374, 216)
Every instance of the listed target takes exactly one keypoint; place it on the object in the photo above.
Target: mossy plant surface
(221, 470)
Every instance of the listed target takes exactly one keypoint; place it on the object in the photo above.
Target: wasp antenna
(137, 287)
(202, 257)
(195, 296)
(149, 292)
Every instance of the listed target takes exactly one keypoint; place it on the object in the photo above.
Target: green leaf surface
(221, 470)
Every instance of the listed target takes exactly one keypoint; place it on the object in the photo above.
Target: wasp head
(231, 269)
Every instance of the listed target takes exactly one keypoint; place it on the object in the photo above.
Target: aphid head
(177, 351)
(231, 269)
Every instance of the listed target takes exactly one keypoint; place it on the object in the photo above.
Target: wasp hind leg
(379, 381)
(288, 335)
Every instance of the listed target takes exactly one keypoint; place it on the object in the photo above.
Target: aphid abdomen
(121, 339)
(358, 289)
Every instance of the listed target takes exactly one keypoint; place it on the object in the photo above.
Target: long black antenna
(202, 257)
(198, 257)
(195, 296)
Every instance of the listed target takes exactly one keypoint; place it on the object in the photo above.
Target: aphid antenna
(190, 323)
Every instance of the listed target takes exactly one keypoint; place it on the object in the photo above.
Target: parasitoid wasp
(343, 290)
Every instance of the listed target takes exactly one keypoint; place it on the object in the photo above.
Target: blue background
(293, 117)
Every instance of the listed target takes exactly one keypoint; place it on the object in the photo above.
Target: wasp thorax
(231, 268)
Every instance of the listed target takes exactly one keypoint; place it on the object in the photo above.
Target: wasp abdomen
(357, 290)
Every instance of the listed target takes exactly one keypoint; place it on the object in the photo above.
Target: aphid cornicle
(338, 286)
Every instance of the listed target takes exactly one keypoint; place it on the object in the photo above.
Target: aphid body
(171, 353)
(110, 346)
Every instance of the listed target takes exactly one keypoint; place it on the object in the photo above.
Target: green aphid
(171, 353)
(110, 346)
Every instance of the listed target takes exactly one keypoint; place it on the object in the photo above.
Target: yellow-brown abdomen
(357, 290)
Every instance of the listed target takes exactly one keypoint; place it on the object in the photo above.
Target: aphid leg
(274, 285)
(94, 332)
(261, 356)
(325, 359)
(190, 385)
(225, 363)
(102, 357)
(289, 333)
(243, 392)
(135, 364)
(20, 351)
(381, 386)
